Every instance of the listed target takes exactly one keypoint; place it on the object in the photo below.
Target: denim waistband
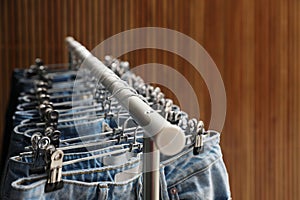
(66, 118)
(67, 125)
(30, 114)
(25, 114)
(184, 176)
(62, 105)
(79, 185)
(57, 98)
(19, 167)
(21, 138)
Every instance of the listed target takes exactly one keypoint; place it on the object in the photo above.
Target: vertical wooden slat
(65, 29)
(294, 96)
(247, 92)
(232, 78)
(90, 24)
(58, 38)
(25, 33)
(262, 98)
(213, 43)
(33, 32)
(11, 37)
(18, 39)
(197, 33)
(51, 22)
(123, 22)
(45, 37)
(38, 24)
(278, 103)
(96, 22)
(77, 30)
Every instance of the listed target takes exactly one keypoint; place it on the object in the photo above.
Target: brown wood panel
(293, 96)
(255, 44)
(262, 98)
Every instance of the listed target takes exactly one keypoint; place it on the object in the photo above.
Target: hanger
(76, 116)
(33, 98)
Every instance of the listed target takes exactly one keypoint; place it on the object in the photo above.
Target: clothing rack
(160, 135)
(73, 138)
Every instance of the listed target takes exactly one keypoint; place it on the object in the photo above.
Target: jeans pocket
(207, 184)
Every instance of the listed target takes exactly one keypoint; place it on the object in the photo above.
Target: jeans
(184, 176)
(34, 116)
(21, 138)
(196, 177)
(57, 106)
(28, 83)
(19, 167)
(56, 98)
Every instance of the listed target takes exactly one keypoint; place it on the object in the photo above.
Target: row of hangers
(53, 107)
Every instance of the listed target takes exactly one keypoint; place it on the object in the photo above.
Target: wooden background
(255, 44)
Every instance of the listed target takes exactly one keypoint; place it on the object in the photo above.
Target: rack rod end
(170, 140)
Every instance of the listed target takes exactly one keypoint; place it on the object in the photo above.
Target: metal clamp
(39, 145)
(54, 181)
(198, 146)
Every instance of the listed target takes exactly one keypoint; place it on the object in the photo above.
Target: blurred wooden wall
(255, 44)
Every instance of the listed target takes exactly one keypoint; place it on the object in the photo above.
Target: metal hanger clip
(54, 179)
(199, 144)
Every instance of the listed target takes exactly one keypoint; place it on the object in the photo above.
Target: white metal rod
(168, 138)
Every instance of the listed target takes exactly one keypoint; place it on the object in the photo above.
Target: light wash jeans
(184, 176)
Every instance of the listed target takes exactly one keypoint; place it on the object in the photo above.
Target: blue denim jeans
(83, 184)
(56, 98)
(71, 113)
(196, 177)
(20, 137)
(28, 83)
(184, 176)
(19, 167)
(57, 106)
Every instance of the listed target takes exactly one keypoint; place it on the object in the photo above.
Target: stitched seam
(196, 172)
(98, 170)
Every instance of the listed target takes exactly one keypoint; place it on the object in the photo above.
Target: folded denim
(184, 176)
(27, 83)
(81, 184)
(31, 96)
(22, 117)
(20, 137)
(75, 106)
(19, 167)
(34, 113)
(59, 106)
(57, 98)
